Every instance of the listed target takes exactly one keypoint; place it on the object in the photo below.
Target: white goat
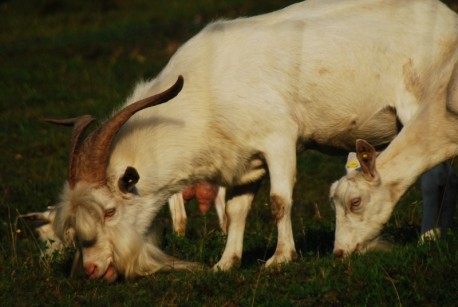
(365, 198)
(439, 188)
(426, 92)
(42, 224)
(317, 74)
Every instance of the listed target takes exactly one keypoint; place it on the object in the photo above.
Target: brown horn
(96, 149)
(79, 125)
(89, 161)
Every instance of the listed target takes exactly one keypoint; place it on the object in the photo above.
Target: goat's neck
(425, 142)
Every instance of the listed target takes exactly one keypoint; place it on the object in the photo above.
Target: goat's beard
(136, 255)
(144, 257)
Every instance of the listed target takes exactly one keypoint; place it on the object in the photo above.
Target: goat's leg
(178, 212)
(237, 209)
(281, 161)
(449, 198)
(220, 206)
(430, 182)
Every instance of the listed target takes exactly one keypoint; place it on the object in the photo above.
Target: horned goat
(317, 74)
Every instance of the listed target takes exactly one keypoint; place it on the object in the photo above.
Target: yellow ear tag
(352, 164)
(365, 156)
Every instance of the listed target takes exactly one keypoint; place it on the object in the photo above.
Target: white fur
(315, 74)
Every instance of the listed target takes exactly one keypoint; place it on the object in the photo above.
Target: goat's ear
(128, 181)
(366, 155)
(37, 218)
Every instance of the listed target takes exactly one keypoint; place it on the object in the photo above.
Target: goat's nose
(339, 253)
(90, 269)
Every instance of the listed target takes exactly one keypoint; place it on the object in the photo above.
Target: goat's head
(94, 209)
(362, 202)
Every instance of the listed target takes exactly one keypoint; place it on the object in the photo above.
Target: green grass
(62, 58)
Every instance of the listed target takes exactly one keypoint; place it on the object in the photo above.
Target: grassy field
(61, 58)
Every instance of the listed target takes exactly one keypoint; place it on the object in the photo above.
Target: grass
(62, 58)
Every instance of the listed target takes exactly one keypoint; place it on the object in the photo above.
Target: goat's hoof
(281, 258)
(227, 265)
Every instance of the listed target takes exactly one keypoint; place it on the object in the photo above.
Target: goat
(365, 198)
(316, 74)
(439, 188)
(42, 224)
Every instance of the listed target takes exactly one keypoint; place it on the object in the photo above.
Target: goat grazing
(317, 74)
(42, 224)
(439, 188)
(365, 198)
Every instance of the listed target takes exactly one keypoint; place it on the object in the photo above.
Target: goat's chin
(110, 274)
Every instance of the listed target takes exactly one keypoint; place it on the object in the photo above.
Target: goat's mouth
(110, 274)
(341, 253)
(368, 245)
(359, 248)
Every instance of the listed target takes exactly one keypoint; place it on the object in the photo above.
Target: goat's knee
(285, 251)
(278, 205)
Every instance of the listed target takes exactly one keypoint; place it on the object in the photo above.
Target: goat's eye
(355, 203)
(110, 212)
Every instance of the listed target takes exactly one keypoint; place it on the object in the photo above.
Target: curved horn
(79, 125)
(89, 160)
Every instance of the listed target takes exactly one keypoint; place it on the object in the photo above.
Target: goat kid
(317, 74)
(42, 224)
